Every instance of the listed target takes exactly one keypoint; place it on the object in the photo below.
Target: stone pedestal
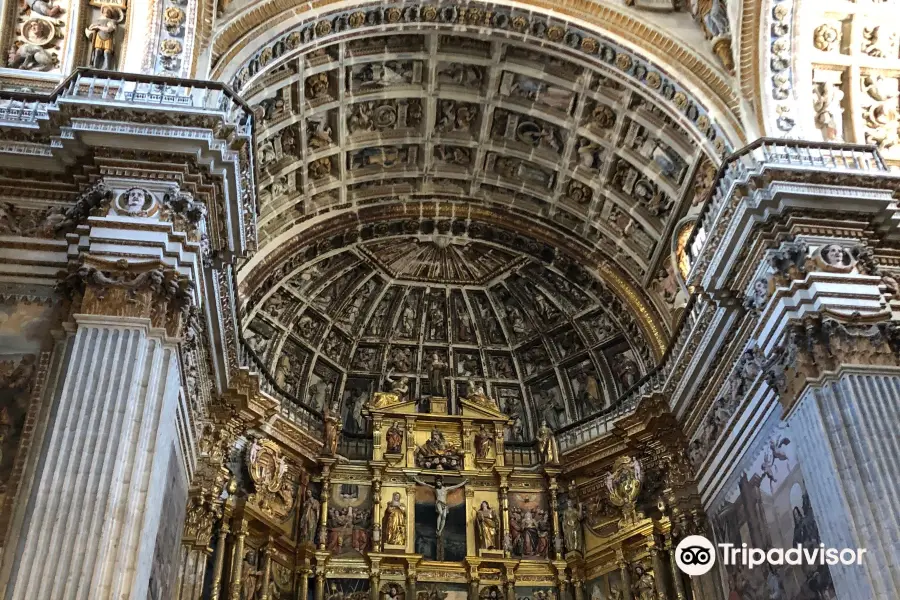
(849, 449)
(95, 509)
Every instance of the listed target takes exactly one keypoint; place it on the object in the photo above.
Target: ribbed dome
(544, 346)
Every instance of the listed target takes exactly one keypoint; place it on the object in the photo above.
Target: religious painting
(442, 591)
(547, 592)
(440, 532)
(529, 524)
(605, 587)
(164, 568)
(347, 589)
(24, 325)
(588, 388)
(356, 395)
(769, 507)
(349, 519)
(548, 402)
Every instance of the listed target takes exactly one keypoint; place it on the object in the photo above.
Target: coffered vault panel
(450, 114)
(547, 348)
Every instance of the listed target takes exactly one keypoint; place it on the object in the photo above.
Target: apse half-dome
(544, 346)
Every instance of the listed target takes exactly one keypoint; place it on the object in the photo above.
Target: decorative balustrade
(769, 153)
(354, 446)
(91, 86)
(293, 409)
(520, 454)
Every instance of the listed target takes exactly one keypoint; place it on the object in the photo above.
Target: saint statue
(548, 450)
(437, 373)
(572, 527)
(102, 33)
(440, 499)
(394, 523)
(333, 425)
(483, 441)
(309, 519)
(645, 586)
(487, 527)
(394, 438)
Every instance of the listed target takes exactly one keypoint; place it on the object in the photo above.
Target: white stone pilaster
(94, 510)
(849, 450)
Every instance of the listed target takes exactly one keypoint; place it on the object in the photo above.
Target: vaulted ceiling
(448, 156)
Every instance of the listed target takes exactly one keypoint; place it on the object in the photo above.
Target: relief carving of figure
(437, 374)
(44, 7)
(30, 57)
(827, 99)
(394, 523)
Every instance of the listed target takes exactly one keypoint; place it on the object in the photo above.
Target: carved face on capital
(761, 288)
(833, 255)
(135, 200)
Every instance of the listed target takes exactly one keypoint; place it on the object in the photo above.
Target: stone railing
(90, 86)
(764, 153)
(290, 407)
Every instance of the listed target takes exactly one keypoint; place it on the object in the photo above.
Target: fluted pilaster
(849, 448)
(94, 513)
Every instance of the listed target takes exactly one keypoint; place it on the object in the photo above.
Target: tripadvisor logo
(695, 555)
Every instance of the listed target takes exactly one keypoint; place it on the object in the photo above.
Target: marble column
(848, 447)
(93, 516)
